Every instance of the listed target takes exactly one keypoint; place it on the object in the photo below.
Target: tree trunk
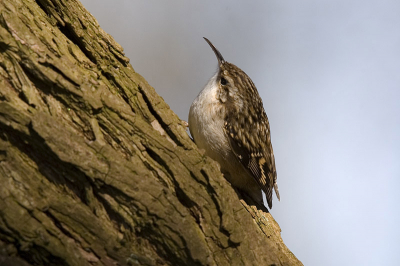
(95, 169)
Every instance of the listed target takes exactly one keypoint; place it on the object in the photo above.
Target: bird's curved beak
(217, 53)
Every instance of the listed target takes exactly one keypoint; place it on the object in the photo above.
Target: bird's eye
(223, 81)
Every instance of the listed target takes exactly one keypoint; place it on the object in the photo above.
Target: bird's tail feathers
(277, 191)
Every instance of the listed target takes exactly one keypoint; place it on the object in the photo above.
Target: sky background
(329, 76)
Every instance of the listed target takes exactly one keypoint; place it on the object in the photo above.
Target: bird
(228, 121)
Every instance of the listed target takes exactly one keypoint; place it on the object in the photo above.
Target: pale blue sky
(329, 76)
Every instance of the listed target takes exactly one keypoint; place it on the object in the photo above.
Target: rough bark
(95, 169)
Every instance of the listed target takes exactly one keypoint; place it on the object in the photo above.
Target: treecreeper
(227, 119)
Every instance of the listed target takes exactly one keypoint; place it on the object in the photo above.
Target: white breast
(206, 121)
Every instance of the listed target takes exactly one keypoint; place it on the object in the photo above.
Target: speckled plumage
(228, 121)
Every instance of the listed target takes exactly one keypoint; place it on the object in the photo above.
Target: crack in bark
(68, 31)
(60, 72)
(159, 119)
(182, 197)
